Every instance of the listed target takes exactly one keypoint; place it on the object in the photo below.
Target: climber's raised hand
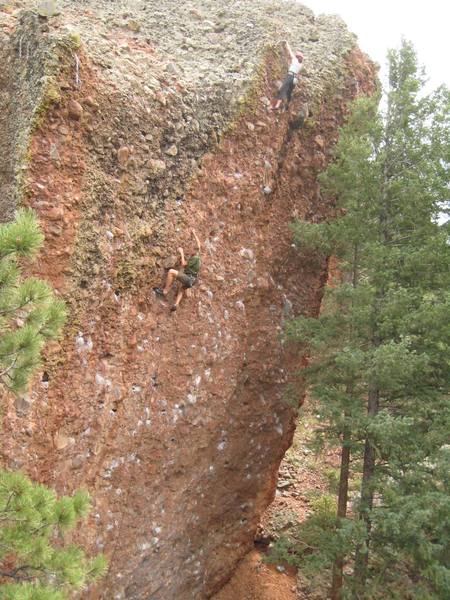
(289, 49)
(196, 240)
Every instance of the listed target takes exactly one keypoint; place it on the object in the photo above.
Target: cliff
(125, 125)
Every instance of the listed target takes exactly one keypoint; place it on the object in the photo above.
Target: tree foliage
(35, 564)
(381, 345)
(29, 313)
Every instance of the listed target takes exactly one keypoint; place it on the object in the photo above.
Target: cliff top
(202, 43)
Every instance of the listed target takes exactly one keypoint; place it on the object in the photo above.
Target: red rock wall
(175, 422)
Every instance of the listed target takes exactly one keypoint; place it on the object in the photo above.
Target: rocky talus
(125, 125)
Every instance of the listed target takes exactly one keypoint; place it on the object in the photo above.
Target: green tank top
(193, 266)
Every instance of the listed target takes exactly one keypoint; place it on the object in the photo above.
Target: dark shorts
(285, 91)
(187, 281)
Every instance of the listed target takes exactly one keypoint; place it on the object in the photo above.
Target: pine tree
(34, 563)
(381, 345)
(29, 313)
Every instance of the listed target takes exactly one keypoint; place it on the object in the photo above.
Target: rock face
(124, 125)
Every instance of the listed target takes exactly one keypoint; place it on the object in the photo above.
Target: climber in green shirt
(187, 275)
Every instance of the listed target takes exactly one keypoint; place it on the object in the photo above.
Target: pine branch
(16, 308)
(6, 518)
(14, 573)
(11, 496)
(10, 367)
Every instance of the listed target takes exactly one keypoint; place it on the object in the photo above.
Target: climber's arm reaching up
(197, 241)
(289, 50)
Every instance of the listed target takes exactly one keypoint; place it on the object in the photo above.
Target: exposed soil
(255, 580)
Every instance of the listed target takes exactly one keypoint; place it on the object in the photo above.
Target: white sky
(381, 24)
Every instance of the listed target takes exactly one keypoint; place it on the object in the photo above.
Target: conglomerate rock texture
(125, 125)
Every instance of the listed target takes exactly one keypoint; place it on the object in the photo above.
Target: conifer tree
(381, 346)
(29, 313)
(34, 563)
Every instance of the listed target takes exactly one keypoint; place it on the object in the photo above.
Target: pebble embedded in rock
(169, 262)
(123, 155)
(22, 404)
(89, 101)
(133, 25)
(156, 166)
(247, 253)
(319, 141)
(172, 150)
(75, 110)
(160, 97)
(196, 14)
(62, 441)
(174, 69)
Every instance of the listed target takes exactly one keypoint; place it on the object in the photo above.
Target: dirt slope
(125, 125)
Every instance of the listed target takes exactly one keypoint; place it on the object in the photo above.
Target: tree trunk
(362, 551)
(373, 400)
(338, 567)
(337, 580)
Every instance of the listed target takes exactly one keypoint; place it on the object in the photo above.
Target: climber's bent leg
(171, 276)
(178, 299)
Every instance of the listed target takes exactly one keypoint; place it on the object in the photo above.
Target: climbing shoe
(173, 308)
(158, 291)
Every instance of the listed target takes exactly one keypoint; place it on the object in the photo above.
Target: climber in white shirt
(285, 91)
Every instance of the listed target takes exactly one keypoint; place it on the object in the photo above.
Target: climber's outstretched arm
(197, 241)
(289, 50)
